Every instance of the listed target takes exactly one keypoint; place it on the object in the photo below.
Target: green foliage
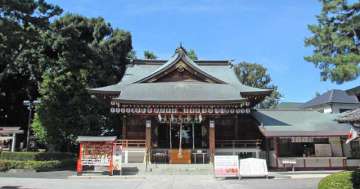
(340, 180)
(149, 55)
(335, 41)
(255, 75)
(38, 129)
(192, 54)
(36, 165)
(80, 53)
(35, 156)
(22, 24)
(132, 55)
(40, 161)
(355, 179)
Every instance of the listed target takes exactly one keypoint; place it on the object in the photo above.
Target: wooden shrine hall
(185, 110)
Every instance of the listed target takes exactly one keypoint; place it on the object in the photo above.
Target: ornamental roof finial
(181, 49)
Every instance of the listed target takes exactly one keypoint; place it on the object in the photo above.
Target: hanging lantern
(200, 118)
(159, 117)
(149, 110)
(188, 118)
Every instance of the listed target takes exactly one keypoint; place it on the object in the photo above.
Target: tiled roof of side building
(354, 91)
(299, 123)
(332, 96)
(289, 105)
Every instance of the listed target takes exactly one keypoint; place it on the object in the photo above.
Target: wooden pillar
(148, 134)
(147, 143)
(276, 148)
(236, 128)
(211, 140)
(124, 130)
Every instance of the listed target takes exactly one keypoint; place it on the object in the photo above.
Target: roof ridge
(331, 96)
(179, 55)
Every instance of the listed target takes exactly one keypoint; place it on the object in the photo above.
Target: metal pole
(193, 136)
(29, 126)
(13, 142)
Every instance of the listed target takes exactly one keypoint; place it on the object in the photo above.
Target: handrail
(238, 143)
(131, 143)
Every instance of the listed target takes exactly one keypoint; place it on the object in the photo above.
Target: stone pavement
(157, 182)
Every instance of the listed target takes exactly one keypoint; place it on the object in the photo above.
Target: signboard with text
(226, 166)
(253, 167)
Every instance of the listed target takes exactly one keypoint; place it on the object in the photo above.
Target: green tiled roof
(227, 89)
(180, 92)
(299, 123)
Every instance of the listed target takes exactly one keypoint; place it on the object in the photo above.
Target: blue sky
(270, 33)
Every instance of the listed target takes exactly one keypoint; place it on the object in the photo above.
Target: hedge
(37, 165)
(35, 156)
(342, 180)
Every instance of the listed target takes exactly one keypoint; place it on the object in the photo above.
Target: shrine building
(187, 111)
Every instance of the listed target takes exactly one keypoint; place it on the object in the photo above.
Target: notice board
(226, 166)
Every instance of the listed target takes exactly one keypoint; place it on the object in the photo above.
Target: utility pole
(30, 105)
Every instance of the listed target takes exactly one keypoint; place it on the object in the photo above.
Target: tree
(132, 55)
(192, 54)
(80, 53)
(149, 55)
(336, 41)
(22, 24)
(255, 75)
(39, 130)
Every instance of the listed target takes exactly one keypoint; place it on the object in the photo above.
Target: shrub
(38, 156)
(340, 180)
(36, 165)
(355, 178)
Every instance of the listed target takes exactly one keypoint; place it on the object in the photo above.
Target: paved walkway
(157, 182)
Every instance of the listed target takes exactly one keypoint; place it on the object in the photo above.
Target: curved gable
(180, 68)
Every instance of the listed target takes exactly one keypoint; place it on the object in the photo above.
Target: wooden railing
(126, 143)
(237, 143)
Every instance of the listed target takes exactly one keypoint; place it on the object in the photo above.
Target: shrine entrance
(193, 136)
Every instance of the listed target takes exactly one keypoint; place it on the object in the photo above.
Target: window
(299, 146)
